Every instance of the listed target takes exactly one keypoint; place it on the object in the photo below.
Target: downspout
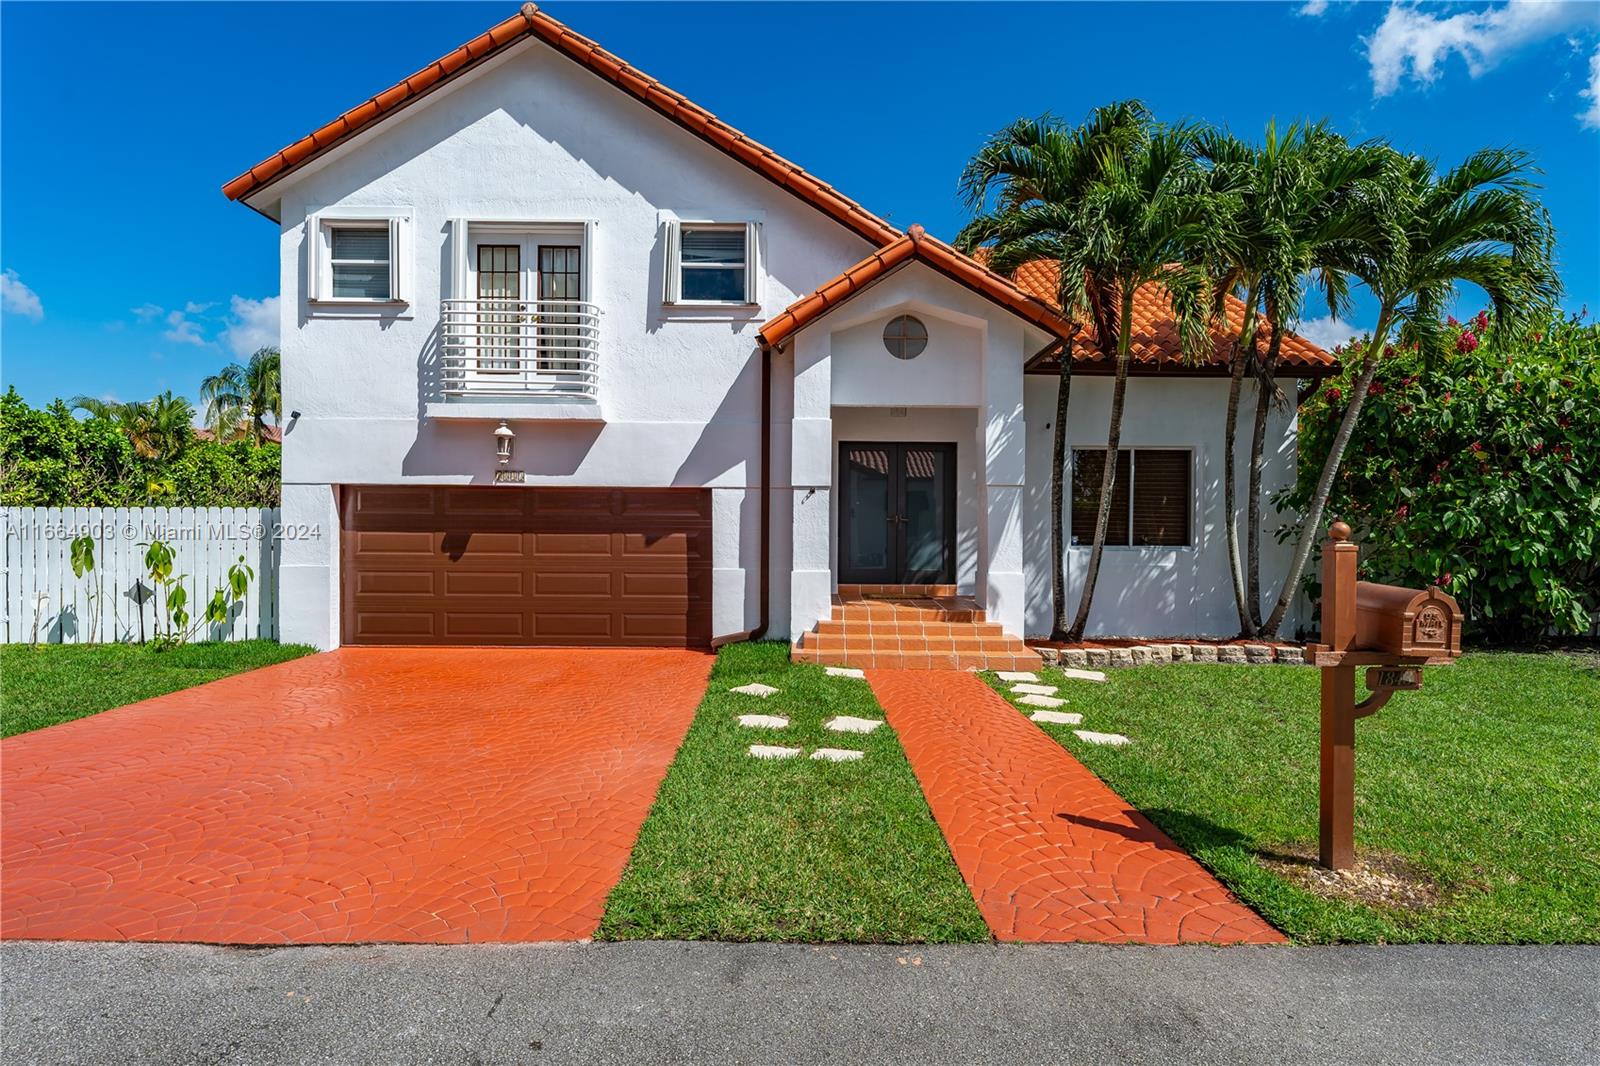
(764, 592)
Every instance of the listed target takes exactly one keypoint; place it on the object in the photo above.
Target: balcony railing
(520, 348)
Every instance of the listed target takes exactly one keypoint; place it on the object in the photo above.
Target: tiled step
(855, 592)
(935, 611)
(907, 628)
(911, 660)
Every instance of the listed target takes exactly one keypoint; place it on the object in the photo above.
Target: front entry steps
(911, 627)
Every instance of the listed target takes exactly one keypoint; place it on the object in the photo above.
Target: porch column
(1003, 440)
(811, 476)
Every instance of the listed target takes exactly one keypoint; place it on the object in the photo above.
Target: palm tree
(238, 398)
(1024, 187)
(1296, 225)
(1149, 216)
(1478, 223)
(157, 428)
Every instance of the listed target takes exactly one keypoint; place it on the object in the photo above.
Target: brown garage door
(526, 566)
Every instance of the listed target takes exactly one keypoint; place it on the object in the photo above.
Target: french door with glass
(897, 514)
(525, 324)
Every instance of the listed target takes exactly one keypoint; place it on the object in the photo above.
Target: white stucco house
(567, 360)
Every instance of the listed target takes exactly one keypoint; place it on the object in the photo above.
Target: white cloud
(17, 298)
(1412, 42)
(192, 308)
(182, 329)
(145, 312)
(1313, 8)
(1591, 117)
(252, 324)
(1325, 333)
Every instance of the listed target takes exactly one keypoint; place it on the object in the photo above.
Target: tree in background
(1475, 469)
(49, 458)
(158, 429)
(239, 397)
(1025, 186)
(1478, 223)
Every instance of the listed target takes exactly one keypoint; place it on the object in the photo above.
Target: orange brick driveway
(1049, 851)
(437, 795)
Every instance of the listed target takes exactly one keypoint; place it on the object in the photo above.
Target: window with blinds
(1150, 499)
(358, 262)
(712, 259)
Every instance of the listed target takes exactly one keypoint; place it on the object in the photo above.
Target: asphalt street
(747, 1003)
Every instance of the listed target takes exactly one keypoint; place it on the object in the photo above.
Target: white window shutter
(671, 244)
(586, 263)
(315, 257)
(396, 252)
(752, 262)
(458, 280)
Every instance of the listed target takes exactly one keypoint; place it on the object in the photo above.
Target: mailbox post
(1394, 632)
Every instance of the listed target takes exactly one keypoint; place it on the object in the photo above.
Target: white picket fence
(43, 600)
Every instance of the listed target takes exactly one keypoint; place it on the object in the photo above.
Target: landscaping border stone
(1158, 653)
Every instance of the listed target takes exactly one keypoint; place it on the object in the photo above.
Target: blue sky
(127, 273)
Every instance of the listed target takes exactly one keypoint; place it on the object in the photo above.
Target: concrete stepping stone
(1057, 717)
(754, 689)
(846, 723)
(1084, 675)
(837, 754)
(1035, 690)
(1042, 701)
(1089, 736)
(846, 671)
(1018, 675)
(772, 751)
(763, 721)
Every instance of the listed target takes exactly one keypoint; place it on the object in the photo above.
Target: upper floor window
(1150, 499)
(357, 261)
(711, 263)
(360, 261)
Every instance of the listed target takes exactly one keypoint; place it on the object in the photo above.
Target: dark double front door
(897, 513)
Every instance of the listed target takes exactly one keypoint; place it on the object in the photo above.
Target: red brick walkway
(1050, 853)
(368, 794)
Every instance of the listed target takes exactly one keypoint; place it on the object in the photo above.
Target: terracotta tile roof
(1155, 332)
(273, 434)
(915, 245)
(531, 22)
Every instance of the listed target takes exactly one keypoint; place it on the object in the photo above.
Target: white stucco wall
(531, 136)
(1156, 591)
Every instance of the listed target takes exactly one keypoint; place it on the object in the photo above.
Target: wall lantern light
(502, 443)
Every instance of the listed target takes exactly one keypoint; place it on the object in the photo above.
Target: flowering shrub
(1477, 470)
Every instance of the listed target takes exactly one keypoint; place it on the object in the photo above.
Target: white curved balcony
(515, 350)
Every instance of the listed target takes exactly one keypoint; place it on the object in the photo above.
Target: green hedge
(1478, 470)
(51, 458)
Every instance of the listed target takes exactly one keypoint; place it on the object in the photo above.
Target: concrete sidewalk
(676, 1002)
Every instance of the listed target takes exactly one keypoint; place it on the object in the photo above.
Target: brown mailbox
(1407, 622)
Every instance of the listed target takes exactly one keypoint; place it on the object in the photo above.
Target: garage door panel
(636, 585)
(392, 625)
(394, 582)
(594, 545)
(478, 544)
(489, 583)
(568, 626)
(470, 626)
(598, 583)
(470, 565)
(420, 544)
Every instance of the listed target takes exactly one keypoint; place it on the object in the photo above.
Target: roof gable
(530, 22)
(916, 246)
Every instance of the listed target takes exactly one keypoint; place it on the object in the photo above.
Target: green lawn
(1486, 784)
(738, 848)
(53, 683)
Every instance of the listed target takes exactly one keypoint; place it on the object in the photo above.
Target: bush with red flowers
(1477, 470)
